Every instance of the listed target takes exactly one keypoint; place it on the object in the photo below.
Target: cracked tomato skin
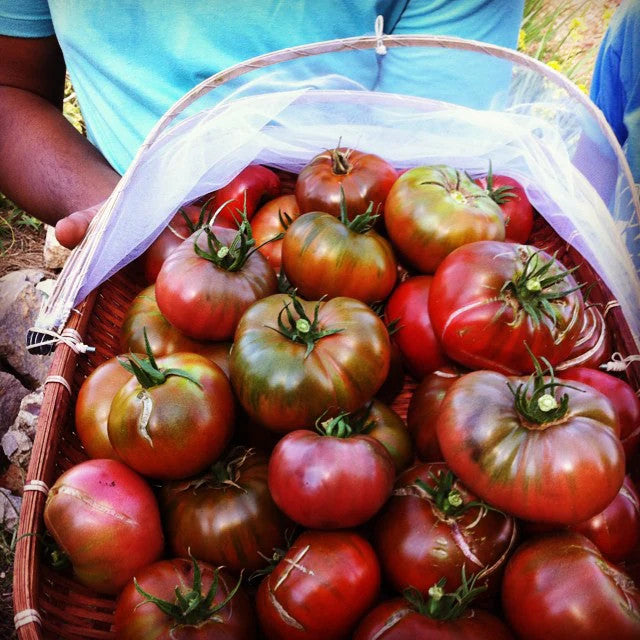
(563, 472)
(418, 544)
(559, 586)
(320, 589)
(482, 328)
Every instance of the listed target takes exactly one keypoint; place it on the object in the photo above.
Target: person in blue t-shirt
(129, 61)
(615, 85)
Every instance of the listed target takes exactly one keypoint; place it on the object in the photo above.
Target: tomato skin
(228, 524)
(283, 390)
(206, 302)
(322, 587)
(93, 405)
(188, 426)
(105, 517)
(326, 482)
(266, 224)
(418, 544)
(136, 619)
(367, 181)
(391, 432)
(559, 586)
(321, 256)
(396, 620)
(481, 329)
(430, 211)
(517, 210)
(564, 472)
(255, 184)
(593, 346)
(409, 305)
(621, 395)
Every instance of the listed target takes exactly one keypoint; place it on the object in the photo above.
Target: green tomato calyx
(500, 195)
(346, 424)
(362, 222)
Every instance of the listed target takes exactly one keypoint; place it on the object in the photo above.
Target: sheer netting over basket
(425, 100)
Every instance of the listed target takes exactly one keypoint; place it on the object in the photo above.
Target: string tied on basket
(381, 49)
(43, 341)
(27, 616)
(619, 363)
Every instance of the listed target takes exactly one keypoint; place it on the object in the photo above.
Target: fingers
(72, 229)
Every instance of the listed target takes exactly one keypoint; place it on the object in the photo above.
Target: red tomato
(136, 618)
(364, 177)
(394, 381)
(545, 455)
(559, 586)
(490, 302)
(429, 531)
(268, 223)
(320, 589)
(510, 196)
(205, 297)
(93, 405)
(248, 191)
(225, 516)
(623, 398)
(593, 346)
(430, 211)
(408, 307)
(105, 517)
(329, 357)
(330, 481)
(176, 427)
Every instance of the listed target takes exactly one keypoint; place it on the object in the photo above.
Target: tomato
(268, 223)
(364, 177)
(424, 407)
(248, 191)
(326, 256)
(514, 299)
(139, 618)
(334, 479)
(510, 196)
(530, 449)
(225, 516)
(176, 420)
(204, 297)
(327, 357)
(430, 211)
(559, 586)
(105, 517)
(621, 395)
(593, 346)
(432, 526)
(408, 307)
(93, 405)
(394, 382)
(320, 589)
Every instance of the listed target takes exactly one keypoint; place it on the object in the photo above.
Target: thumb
(71, 230)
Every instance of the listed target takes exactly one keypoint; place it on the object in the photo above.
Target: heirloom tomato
(364, 177)
(293, 361)
(320, 589)
(323, 255)
(493, 303)
(532, 447)
(206, 284)
(333, 479)
(225, 516)
(559, 586)
(182, 600)
(105, 518)
(430, 211)
(593, 346)
(432, 526)
(174, 417)
(408, 308)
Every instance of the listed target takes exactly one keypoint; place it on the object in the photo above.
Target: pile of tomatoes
(244, 454)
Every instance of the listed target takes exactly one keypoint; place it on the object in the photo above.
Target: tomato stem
(501, 195)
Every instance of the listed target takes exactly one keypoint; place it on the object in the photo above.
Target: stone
(9, 510)
(17, 442)
(20, 303)
(55, 255)
(11, 393)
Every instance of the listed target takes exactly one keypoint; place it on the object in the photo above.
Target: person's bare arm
(46, 166)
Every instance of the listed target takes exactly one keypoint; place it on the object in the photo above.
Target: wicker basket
(51, 605)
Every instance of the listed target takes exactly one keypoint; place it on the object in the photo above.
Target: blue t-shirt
(130, 60)
(615, 86)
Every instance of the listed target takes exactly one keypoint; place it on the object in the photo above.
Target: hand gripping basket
(589, 205)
